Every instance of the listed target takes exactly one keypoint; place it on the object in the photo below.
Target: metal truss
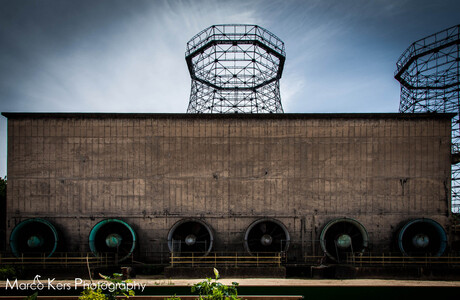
(428, 72)
(235, 69)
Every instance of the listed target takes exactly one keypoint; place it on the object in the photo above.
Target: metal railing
(64, 259)
(396, 260)
(313, 259)
(233, 259)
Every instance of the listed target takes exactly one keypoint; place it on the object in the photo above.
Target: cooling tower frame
(428, 72)
(235, 68)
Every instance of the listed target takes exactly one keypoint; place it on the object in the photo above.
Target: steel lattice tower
(235, 69)
(429, 75)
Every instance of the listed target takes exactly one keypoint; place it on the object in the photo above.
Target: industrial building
(236, 182)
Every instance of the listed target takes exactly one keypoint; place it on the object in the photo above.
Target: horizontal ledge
(275, 116)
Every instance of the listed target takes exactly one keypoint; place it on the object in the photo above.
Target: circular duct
(342, 236)
(32, 237)
(190, 235)
(422, 237)
(266, 235)
(112, 236)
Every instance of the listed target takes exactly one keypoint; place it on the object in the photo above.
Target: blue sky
(128, 56)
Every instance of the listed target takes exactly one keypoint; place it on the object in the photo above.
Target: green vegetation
(211, 289)
(456, 218)
(90, 294)
(7, 272)
(32, 297)
(115, 287)
(3, 188)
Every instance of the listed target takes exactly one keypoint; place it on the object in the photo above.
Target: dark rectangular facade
(154, 170)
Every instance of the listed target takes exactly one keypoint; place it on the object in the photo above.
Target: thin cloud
(128, 56)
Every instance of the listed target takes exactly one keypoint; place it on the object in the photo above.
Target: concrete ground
(306, 282)
(277, 282)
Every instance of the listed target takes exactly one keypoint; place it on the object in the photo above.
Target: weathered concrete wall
(153, 170)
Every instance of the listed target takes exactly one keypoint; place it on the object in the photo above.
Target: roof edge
(35, 115)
